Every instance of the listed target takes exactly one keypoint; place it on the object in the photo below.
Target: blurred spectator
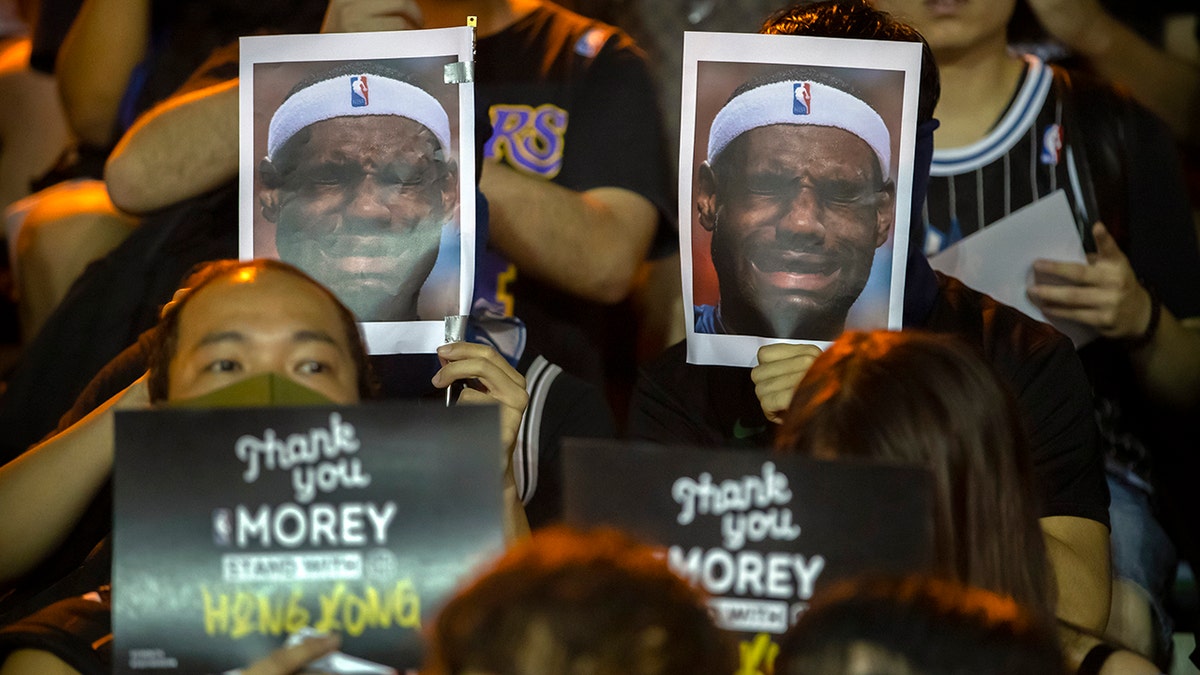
(570, 602)
(918, 626)
(930, 400)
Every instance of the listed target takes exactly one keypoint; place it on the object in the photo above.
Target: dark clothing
(571, 101)
(715, 406)
(113, 301)
(77, 630)
(117, 297)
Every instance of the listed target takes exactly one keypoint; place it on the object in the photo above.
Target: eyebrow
(221, 336)
(315, 336)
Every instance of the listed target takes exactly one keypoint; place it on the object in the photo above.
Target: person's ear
(706, 196)
(268, 197)
(885, 213)
(450, 187)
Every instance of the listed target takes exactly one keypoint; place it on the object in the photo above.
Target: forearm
(1168, 86)
(106, 42)
(45, 491)
(516, 525)
(1077, 550)
(182, 148)
(587, 243)
(1169, 365)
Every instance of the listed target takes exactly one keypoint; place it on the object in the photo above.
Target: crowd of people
(1063, 477)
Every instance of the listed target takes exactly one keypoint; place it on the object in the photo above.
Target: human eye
(223, 366)
(768, 184)
(323, 175)
(843, 192)
(313, 367)
(404, 175)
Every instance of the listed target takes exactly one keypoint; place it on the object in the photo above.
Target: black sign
(760, 533)
(234, 529)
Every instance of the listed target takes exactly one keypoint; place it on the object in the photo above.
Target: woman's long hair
(927, 399)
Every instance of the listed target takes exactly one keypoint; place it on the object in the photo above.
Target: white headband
(800, 102)
(352, 96)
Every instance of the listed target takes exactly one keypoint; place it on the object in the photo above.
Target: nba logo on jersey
(358, 91)
(1052, 145)
(802, 102)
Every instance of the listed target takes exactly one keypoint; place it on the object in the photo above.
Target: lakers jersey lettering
(530, 139)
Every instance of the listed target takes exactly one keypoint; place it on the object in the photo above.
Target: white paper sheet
(885, 74)
(271, 65)
(998, 260)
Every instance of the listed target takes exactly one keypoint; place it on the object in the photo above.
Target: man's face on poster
(359, 204)
(796, 213)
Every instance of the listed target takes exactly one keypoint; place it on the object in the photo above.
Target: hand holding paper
(1104, 293)
(490, 379)
(780, 368)
(293, 658)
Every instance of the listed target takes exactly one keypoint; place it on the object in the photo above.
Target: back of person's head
(858, 19)
(163, 340)
(569, 602)
(928, 399)
(918, 626)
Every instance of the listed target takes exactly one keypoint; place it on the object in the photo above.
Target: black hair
(919, 626)
(599, 598)
(164, 340)
(858, 19)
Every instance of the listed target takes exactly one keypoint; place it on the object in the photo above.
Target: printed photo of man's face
(795, 197)
(359, 191)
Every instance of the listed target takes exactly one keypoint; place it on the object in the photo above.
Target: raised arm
(183, 147)
(492, 380)
(1168, 86)
(588, 243)
(107, 41)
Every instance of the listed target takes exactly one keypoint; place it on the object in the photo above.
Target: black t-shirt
(571, 101)
(715, 406)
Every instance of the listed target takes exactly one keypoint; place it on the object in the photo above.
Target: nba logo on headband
(802, 101)
(358, 91)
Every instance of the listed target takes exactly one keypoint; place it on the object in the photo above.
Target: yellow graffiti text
(757, 657)
(242, 613)
(351, 614)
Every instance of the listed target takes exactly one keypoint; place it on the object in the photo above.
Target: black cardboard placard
(234, 528)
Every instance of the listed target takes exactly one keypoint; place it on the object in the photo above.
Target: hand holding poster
(757, 532)
(234, 529)
(357, 166)
(796, 167)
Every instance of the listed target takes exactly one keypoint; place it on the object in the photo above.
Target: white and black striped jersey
(1023, 158)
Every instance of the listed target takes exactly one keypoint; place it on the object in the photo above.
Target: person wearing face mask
(231, 321)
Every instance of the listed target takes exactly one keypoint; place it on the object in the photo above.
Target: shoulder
(681, 403)
(572, 36)
(1001, 332)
